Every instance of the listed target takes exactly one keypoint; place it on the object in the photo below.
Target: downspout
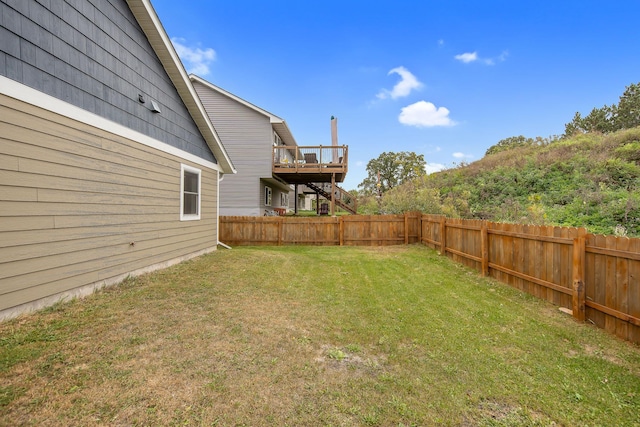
(220, 178)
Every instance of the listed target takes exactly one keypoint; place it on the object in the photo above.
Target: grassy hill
(590, 180)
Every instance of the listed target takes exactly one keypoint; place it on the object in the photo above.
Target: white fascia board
(284, 132)
(16, 90)
(278, 124)
(236, 98)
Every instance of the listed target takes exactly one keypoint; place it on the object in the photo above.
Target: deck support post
(333, 194)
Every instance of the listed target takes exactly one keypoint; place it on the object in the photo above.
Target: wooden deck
(303, 164)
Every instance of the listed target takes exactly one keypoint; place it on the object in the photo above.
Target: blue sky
(445, 79)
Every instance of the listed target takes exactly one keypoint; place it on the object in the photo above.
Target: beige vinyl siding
(80, 206)
(247, 137)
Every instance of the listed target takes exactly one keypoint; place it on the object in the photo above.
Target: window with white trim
(284, 199)
(267, 196)
(190, 192)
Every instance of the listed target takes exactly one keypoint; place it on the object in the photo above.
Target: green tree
(624, 115)
(598, 120)
(628, 111)
(574, 126)
(411, 196)
(391, 169)
(509, 143)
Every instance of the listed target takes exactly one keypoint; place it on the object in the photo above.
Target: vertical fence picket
(622, 286)
(443, 235)
(509, 256)
(518, 257)
(406, 228)
(599, 279)
(549, 249)
(495, 250)
(578, 267)
(553, 296)
(484, 249)
(535, 260)
(610, 286)
(634, 291)
(566, 258)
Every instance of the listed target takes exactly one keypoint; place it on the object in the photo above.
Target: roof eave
(277, 123)
(150, 23)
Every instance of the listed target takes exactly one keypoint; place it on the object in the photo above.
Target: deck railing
(319, 156)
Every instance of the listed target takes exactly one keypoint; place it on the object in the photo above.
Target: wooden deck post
(333, 194)
(484, 248)
(578, 300)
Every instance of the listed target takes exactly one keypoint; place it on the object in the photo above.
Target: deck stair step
(343, 198)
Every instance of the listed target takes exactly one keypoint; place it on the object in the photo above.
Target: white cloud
(407, 83)
(425, 114)
(434, 167)
(467, 57)
(195, 59)
(473, 57)
(459, 155)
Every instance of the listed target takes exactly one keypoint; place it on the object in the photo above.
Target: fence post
(443, 235)
(484, 248)
(341, 229)
(578, 300)
(280, 231)
(419, 216)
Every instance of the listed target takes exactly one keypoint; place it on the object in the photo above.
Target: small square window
(190, 193)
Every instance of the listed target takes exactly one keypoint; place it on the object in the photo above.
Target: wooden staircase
(343, 199)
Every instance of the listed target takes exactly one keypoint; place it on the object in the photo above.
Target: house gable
(96, 56)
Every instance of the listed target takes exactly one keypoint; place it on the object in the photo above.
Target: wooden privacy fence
(348, 230)
(596, 277)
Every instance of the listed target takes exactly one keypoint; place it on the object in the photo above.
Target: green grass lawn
(314, 336)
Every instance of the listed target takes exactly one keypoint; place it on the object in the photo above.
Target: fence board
(548, 253)
(610, 285)
(565, 266)
(495, 251)
(622, 287)
(518, 262)
(634, 290)
(599, 280)
(556, 263)
(540, 263)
